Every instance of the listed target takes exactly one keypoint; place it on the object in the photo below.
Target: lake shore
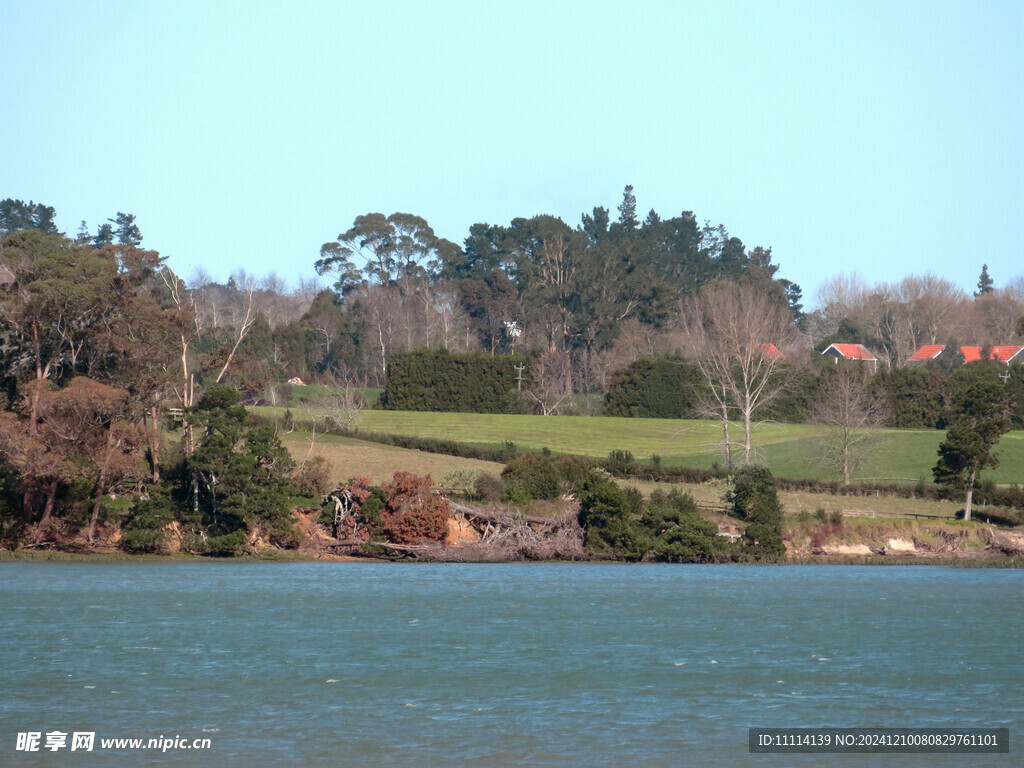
(284, 556)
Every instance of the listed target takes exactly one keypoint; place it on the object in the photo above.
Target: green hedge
(437, 380)
(659, 387)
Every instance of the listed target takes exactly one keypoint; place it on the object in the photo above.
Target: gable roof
(772, 352)
(927, 352)
(1004, 353)
(851, 352)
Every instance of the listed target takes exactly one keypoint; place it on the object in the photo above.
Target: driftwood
(486, 516)
(504, 535)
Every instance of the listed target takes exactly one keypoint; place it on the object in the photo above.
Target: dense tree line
(537, 285)
(103, 349)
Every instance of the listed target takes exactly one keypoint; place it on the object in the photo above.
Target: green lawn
(791, 450)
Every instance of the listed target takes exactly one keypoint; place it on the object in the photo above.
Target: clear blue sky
(878, 137)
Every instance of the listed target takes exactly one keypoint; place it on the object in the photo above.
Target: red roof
(1004, 353)
(927, 352)
(772, 352)
(852, 351)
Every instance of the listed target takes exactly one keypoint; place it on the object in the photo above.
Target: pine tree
(125, 229)
(985, 282)
(237, 478)
(979, 416)
(627, 208)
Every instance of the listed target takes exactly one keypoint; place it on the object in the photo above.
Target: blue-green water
(500, 665)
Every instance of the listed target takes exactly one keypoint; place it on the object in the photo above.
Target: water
(358, 664)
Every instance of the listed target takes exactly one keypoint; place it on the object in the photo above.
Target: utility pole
(519, 379)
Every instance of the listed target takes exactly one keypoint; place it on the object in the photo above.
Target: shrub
(314, 477)
(620, 463)
(916, 396)
(678, 533)
(605, 520)
(412, 513)
(145, 528)
(765, 542)
(573, 470)
(530, 476)
(226, 545)
(460, 481)
(754, 497)
(488, 488)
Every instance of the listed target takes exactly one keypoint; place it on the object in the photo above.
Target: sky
(877, 138)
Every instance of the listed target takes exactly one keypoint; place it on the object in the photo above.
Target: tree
(87, 419)
(237, 478)
(605, 517)
(17, 215)
(41, 465)
(985, 282)
(126, 231)
(330, 334)
(62, 299)
(754, 499)
(80, 433)
(916, 395)
(627, 209)
(104, 236)
(547, 390)
(851, 408)
(979, 416)
(549, 256)
(399, 245)
(492, 302)
(732, 333)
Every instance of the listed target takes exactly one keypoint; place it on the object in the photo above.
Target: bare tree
(187, 322)
(200, 278)
(634, 341)
(848, 405)
(380, 304)
(733, 333)
(344, 402)
(547, 391)
(242, 328)
(930, 307)
(993, 316)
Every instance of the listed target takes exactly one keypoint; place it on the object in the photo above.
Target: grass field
(350, 457)
(790, 450)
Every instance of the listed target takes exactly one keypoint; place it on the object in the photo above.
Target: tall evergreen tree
(237, 478)
(125, 229)
(985, 282)
(627, 208)
(979, 416)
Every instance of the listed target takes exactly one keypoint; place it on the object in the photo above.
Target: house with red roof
(772, 352)
(857, 352)
(926, 353)
(1005, 353)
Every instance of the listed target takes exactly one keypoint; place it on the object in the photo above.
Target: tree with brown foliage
(413, 514)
